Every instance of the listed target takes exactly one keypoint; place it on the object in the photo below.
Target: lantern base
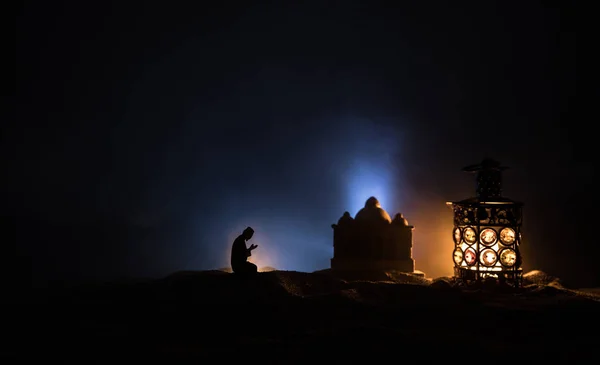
(512, 277)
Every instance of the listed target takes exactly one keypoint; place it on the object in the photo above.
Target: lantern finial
(489, 178)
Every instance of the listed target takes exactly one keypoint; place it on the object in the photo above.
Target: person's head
(248, 233)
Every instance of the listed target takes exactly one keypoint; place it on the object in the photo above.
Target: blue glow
(366, 179)
(292, 221)
(285, 243)
(374, 169)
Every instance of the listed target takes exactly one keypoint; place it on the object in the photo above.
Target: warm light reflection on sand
(263, 261)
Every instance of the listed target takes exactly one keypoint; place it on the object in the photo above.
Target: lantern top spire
(489, 178)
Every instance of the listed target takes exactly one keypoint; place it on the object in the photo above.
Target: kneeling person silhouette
(240, 254)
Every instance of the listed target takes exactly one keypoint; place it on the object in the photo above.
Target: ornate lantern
(487, 230)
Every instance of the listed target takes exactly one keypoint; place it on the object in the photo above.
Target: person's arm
(249, 250)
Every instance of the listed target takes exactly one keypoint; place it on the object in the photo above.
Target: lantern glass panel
(457, 235)
(458, 256)
(470, 235)
(488, 236)
(507, 236)
(470, 257)
(508, 257)
(488, 257)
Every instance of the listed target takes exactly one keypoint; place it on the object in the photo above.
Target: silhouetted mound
(294, 317)
(378, 275)
(537, 277)
(260, 269)
(407, 278)
(443, 283)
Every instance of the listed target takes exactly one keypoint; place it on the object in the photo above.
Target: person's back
(240, 254)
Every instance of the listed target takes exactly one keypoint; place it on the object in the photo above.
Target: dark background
(149, 134)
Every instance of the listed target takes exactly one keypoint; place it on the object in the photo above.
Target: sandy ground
(285, 317)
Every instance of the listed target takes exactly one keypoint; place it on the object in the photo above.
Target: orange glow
(263, 261)
(433, 244)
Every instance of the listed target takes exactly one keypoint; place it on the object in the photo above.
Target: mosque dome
(372, 212)
(400, 220)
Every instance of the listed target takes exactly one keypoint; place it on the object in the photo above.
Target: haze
(147, 138)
